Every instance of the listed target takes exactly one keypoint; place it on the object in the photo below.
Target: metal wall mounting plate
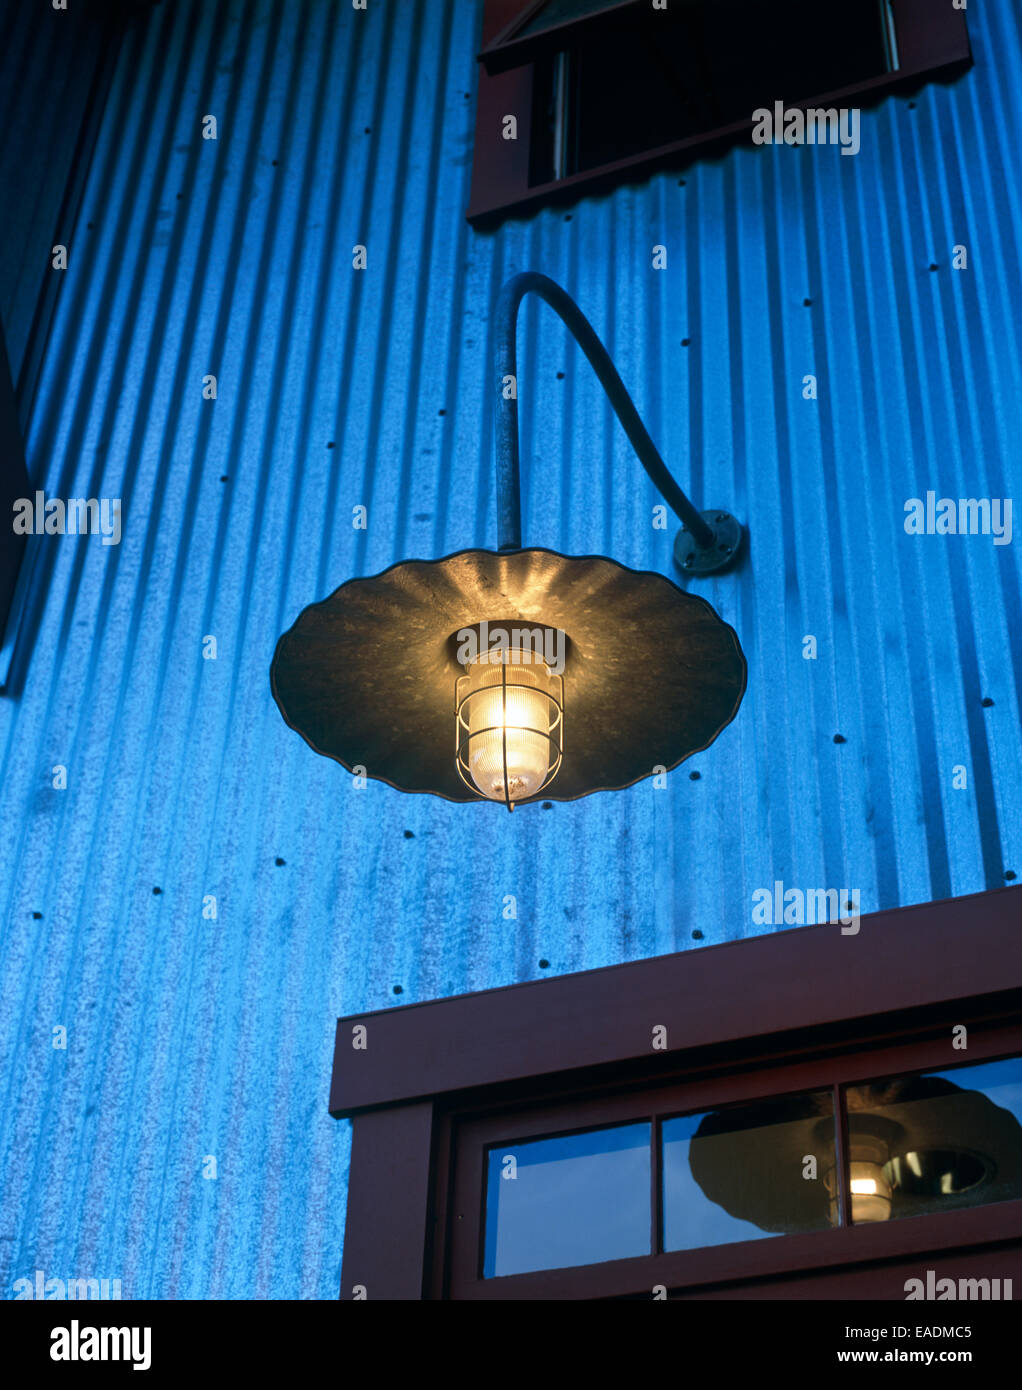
(727, 545)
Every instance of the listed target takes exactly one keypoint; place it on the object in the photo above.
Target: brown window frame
(933, 43)
(736, 1261)
(787, 1011)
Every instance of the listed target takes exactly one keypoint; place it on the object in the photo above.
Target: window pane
(574, 1200)
(937, 1142)
(749, 1171)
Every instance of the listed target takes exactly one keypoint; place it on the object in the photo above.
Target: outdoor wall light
(560, 675)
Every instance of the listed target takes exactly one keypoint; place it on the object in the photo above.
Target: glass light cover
(509, 716)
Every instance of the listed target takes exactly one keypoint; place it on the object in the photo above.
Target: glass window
(749, 1171)
(936, 1142)
(574, 1200)
(917, 1144)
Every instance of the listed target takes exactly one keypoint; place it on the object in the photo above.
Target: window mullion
(841, 1156)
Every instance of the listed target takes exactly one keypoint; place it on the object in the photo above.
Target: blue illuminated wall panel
(191, 1039)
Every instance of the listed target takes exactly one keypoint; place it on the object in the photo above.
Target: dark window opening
(603, 92)
(672, 75)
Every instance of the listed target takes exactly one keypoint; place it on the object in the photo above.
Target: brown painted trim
(437, 1265)
(501, 17)
(499, 165)
(809, 978)
(912, 1238)
(883, 1041)
(388, 1220)
(882, 1281)
(933, 44)
(742, 1084)
(752, 1073)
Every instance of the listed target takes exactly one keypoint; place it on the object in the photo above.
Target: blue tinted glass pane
(745, 1172)
(576, 1200)
(937, 1142)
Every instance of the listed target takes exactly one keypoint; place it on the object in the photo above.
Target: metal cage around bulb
(500, 704)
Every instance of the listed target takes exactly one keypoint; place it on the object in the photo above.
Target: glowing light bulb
(871, 1192)
(503, 742)
(509, 715)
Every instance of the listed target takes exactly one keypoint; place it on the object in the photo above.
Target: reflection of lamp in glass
(871, 1193)
(750, 1160)
(914, 1145)
(871, 1140)
(943, 1144)
(937, 1172)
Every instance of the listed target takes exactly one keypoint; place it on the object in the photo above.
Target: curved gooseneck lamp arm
(709, 541)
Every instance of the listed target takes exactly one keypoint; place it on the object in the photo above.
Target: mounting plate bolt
(721, 553)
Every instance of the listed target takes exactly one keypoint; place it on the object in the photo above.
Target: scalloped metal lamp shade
(368, 675)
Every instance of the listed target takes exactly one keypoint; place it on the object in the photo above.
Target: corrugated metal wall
(189, 1037)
